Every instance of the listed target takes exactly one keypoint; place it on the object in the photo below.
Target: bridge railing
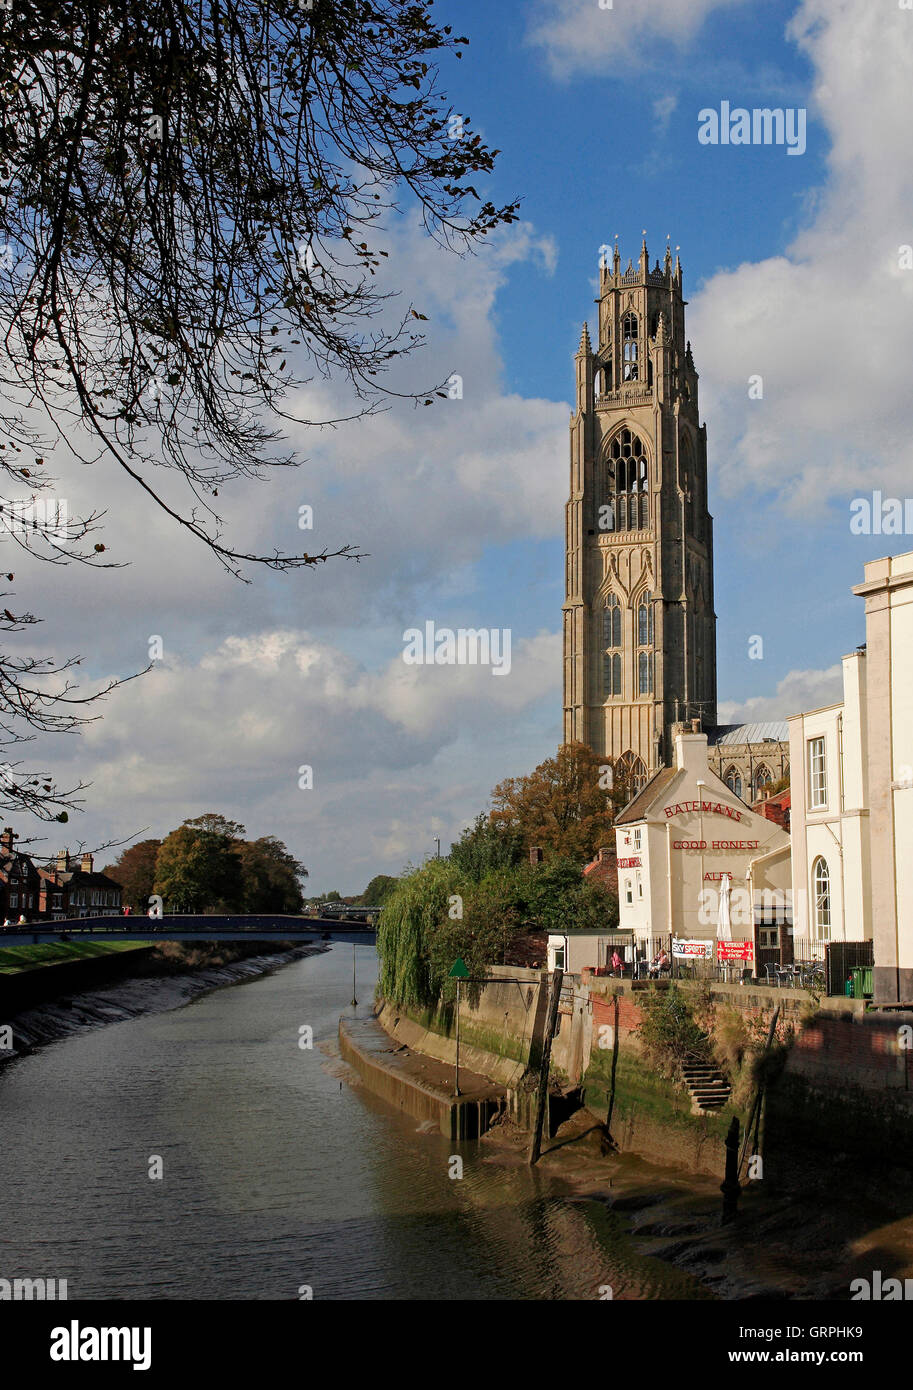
(182, 923)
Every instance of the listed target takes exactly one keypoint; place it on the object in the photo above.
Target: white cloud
(797, 691)
(588, 36)
(396, 752)
(307, 668)
(828, 325)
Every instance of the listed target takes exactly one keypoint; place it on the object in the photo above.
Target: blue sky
(792, 272)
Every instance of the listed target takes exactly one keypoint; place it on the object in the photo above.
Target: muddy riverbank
(808, 1238)
(167, 978)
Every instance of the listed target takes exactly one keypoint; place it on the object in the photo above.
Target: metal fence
(842, 958)
(799, 962)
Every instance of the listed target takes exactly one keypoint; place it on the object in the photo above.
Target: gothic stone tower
(639, 624)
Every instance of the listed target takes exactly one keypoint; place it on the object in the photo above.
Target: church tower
(639, 623)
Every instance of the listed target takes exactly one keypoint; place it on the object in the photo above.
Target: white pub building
(694, 862)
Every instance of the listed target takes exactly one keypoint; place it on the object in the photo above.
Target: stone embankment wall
(502, 1026)
(845, 1081)
(847, 1088)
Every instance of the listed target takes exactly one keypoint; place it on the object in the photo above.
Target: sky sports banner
(692, 950)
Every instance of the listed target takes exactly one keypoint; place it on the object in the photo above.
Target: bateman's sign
(709, 808)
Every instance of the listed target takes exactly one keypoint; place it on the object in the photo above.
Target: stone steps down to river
(708, 1088)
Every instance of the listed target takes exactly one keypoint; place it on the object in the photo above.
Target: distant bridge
(188, 927)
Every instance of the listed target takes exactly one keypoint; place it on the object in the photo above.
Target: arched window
(629, 346)
(762, 779)
(611, 622)
(821, 898)
(611, 674)
(627, 485)
(645, 620)
(645, 673)
(733, 780)
(631, 773)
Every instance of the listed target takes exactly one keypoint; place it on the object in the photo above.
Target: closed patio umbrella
(724, 922)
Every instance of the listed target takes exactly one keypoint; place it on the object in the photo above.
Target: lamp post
(700, 834)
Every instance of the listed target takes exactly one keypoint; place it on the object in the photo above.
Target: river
(277, 1175)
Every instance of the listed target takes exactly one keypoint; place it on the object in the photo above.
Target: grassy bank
(16, 959)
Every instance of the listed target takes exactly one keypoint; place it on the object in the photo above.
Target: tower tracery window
(611, 640)
(645, 640)
(645, 620)
(627, 488)
(629, 346)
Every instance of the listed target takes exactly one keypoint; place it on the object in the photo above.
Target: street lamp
(700, 801)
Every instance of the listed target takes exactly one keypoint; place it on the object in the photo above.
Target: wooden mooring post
(730, 1185)
(554, 998)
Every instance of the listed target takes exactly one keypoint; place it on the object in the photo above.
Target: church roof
(773, 731)
(652, 792)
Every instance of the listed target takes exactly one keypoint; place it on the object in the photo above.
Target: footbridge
(189, 927)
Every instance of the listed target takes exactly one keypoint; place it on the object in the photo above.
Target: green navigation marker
(458, 970)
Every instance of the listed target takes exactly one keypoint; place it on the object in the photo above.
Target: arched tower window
(733, 779)
(611, 622)
(611, 674)
(611, 641)
(629, 347)
(645, 673)
(821, 898)
(627, 485)
(645, 620)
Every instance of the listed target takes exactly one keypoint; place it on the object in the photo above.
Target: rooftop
(775, 730)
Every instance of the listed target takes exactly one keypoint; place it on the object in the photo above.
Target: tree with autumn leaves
(475, 903)
(563, 807)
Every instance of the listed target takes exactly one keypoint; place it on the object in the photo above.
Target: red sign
(734, 950)
(709, 808)
(629, 863)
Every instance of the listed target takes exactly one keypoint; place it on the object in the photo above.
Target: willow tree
(192, 195)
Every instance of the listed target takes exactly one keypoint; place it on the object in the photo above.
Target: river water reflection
(276, 1173)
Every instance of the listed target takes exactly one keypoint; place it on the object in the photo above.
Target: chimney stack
(63, 861)
(86, 863)
(535, 856)
(6, 839)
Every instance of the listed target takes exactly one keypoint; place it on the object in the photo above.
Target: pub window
(817, 774)
(821, 896)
